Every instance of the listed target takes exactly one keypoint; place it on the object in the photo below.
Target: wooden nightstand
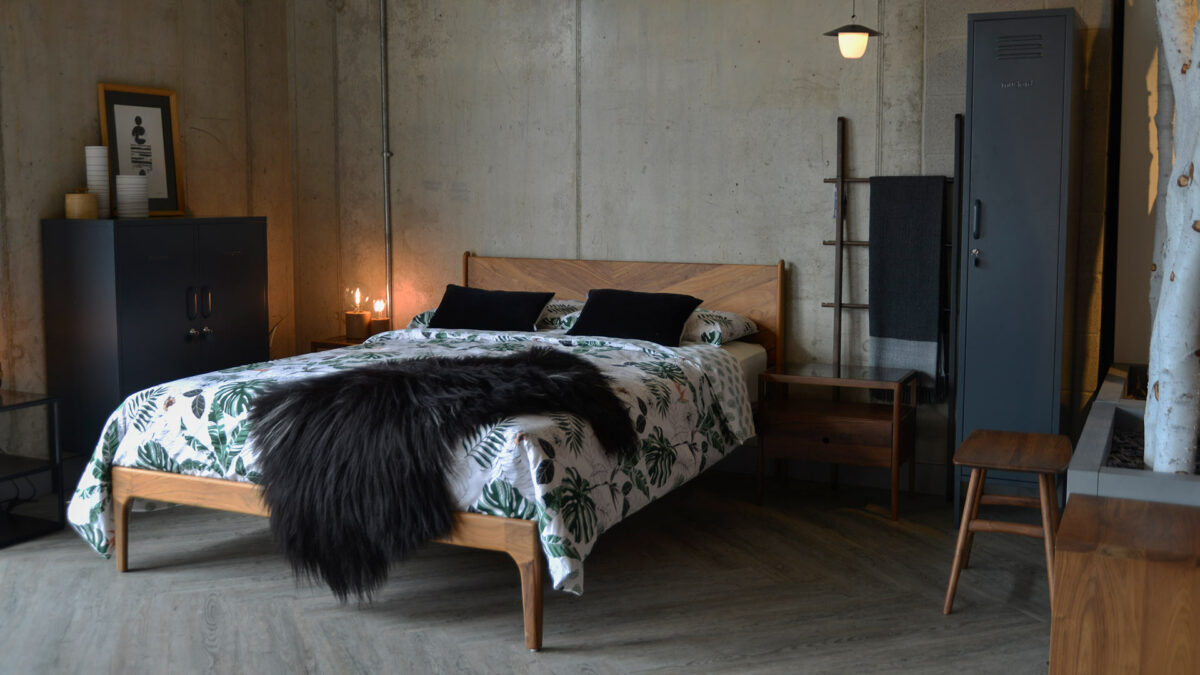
(335, 342)
(840, 432)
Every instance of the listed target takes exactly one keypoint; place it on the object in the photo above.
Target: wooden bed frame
(753, 290)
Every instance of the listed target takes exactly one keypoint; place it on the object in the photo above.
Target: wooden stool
(1046, 455)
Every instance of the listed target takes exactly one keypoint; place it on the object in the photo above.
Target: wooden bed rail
(518, 538)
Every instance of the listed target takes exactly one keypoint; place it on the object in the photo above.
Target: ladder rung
(847, 305)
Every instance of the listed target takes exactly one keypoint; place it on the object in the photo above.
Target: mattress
(753, 360)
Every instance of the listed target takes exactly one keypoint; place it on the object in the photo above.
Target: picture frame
(140, 127)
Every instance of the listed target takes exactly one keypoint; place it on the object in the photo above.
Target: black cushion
(657, 317)
(477, 309)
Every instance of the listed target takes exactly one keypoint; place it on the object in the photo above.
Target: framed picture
(140, 126)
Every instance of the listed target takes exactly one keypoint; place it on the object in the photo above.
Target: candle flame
(379, 305)
(357, 298)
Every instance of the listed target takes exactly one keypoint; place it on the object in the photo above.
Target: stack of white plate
(131, 197)
(96, 157)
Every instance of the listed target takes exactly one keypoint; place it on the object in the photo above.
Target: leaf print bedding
(689, 405)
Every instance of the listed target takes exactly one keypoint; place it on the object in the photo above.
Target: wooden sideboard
(1127, 588)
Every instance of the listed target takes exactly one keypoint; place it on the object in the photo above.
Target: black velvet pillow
(477, 309)
(657, 317)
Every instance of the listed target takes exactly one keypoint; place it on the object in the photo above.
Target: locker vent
(1019, 47)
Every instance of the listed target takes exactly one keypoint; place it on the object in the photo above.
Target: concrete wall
(223, 58)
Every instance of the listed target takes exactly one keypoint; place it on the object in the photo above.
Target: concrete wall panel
(359, 138)
(708, 127)
(269, 149)
(312, 49)
(483, 127)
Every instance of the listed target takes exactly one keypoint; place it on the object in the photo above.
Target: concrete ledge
(1088, 474)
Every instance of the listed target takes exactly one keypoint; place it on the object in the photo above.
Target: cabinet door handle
(192, 334)
(206, 332)
(193, 302)
(976, 207)
(206, 306)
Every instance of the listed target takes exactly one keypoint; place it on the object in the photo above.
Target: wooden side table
(335, 342)
(840, 432)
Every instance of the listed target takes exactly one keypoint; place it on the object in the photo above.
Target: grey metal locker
(1017, 251)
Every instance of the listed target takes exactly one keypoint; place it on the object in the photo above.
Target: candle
(357, 320)
(380, 322)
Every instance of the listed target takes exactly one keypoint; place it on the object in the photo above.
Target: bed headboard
(753, 290)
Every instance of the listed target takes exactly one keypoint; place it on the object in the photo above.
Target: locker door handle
(206, 305)
(975, 257)
(976, 206)
(193, 302)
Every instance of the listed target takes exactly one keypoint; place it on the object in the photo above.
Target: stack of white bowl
(131, 197)
(96, 157)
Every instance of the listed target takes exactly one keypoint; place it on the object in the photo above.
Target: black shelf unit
(16, 527)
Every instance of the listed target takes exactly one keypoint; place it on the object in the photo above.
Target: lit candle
(357, 320)
(380, 322)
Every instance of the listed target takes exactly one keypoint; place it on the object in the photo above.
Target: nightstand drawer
(830, 422)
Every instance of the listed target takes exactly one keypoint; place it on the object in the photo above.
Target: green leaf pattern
(689, 406)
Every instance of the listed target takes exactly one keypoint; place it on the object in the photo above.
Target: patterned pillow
(714, 327)
(421, 320)
(559, 315)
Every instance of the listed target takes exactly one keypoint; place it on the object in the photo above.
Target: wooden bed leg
(524, 546)
(531, 600)
(121, 506)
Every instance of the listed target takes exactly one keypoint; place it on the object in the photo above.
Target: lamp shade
(852, 39)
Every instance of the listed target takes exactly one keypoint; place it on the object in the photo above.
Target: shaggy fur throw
(355, 464)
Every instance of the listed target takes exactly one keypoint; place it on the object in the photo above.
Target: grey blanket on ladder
(906, 273)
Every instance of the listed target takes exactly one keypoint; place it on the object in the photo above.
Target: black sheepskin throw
(354, 465)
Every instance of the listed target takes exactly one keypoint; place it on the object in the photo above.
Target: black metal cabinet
(1020, 212)
(133, 303)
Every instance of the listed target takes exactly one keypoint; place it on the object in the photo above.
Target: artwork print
(140, 127)
(139, 146)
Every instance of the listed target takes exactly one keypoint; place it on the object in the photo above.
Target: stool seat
(984, 450)
(1015, 451)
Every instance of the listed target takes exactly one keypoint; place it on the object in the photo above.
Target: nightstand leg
(912, 474)
(762, 451)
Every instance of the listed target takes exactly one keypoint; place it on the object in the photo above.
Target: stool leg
(975, 516)
(1046, 494)
(963, 529)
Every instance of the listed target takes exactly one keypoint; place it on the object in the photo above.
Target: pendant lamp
(852, 38)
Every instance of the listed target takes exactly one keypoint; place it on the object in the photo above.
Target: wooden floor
(704, 581)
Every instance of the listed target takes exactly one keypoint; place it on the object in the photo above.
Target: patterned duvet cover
(689, 404)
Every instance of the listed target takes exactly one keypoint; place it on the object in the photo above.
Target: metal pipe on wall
(387, 157)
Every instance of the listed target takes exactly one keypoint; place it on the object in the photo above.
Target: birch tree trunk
(1173, 400)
